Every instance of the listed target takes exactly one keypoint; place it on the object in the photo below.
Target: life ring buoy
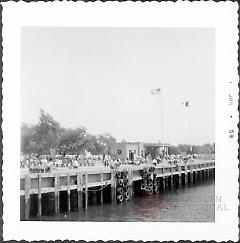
(125, 174)
(126, 187)
(144, 172)
(119, 151)
(126, 195)
(120, 198)
(120, 182)
(120, 190)
(150, 185)
(125, 184)
(150, 190)
(118, 174)
(150, 181)
(143, 186)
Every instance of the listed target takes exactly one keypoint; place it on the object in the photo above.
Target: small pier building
(132, 150)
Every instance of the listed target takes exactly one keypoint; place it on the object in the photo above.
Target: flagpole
(189, 126)
(162, 120)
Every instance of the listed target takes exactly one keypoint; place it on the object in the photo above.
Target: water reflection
(194, 203)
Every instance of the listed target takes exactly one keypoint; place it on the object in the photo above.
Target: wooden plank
(27, 196)
(68, 194)
(56, 192)
(86, 191)
(101, 192)
(79, 189)
(39, 195)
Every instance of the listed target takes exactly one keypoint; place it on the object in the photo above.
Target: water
(189, 204)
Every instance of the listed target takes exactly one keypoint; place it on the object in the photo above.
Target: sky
(101, 78)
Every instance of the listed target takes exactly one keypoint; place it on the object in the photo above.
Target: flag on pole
(156, 91)
(186, 103)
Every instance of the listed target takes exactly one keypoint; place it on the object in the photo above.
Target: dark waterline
(193, 203)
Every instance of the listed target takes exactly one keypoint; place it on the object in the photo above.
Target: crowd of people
(46, 163)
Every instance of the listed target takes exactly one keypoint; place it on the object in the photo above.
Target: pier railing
(83, 179)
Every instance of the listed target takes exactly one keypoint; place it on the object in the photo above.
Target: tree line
(196, 149)
(48, 137)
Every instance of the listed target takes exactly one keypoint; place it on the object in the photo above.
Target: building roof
(147, 144)
(156, 144)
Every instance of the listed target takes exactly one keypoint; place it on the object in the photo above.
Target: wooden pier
(73, 187)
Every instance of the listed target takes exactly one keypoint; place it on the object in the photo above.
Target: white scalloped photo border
(222, 17)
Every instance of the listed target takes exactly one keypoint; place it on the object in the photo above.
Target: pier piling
(56, 192)
(101, 192)
(68, 194)
(186, 175)
(27, 196)
(86, 191)
(79, 190)
(39, 195)
(70, 190)
(180, 176)
(172, 183)
(191, 174)
(113, 187)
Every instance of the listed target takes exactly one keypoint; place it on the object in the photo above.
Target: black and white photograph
(117, 124)
(120, 128)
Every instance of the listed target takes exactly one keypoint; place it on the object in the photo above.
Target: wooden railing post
(56, 192)
(208, 170)
(186, 175)
(101, 192)
(164, 180)
(191, 174)
(171, 170)
(68, 193)
(113, 187)
(79, 190)
(130, 179)
(27, 196)
(39, 195)
(180, 175)
(86, 191)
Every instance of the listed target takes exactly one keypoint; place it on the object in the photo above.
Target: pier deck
(84, 178)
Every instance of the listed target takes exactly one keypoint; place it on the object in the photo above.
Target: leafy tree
(173, 150)
(73, 141)
(198, 149)
(28, 144)
(93, 145)
(107, 142)
(47, 134)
